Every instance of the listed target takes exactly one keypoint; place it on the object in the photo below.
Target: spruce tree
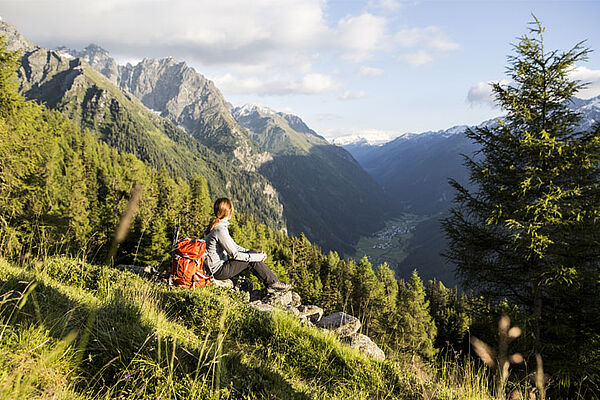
(528, 231)
(416, 329)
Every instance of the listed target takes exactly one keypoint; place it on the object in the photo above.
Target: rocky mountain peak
(97, 57)
(249, 109)
(13, 39)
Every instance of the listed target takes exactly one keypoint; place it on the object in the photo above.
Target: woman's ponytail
(223, 208)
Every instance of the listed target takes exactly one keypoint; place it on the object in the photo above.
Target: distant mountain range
(169, 115)
(414, 169)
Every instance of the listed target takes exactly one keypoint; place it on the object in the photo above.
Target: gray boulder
(262, 307)
(279, 299)
(364, 344)
(296, 300)
(340, 323)
(227, 283)
(311, 313)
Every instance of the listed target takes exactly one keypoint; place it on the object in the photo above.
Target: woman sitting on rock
(225, 259)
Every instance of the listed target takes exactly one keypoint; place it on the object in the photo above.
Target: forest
(525, 242)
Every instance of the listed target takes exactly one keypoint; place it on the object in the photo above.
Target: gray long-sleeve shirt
(220, 247)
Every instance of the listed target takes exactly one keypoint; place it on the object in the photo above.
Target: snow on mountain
(365, 139)
(248, 109)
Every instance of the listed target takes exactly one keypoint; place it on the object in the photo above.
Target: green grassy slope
(71, 330)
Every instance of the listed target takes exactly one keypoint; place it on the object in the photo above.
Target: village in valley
(386, 236)
(391, 243)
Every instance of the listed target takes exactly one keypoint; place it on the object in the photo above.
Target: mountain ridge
(71, 86)
(302, 166)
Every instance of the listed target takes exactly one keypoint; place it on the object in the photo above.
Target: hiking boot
(279, 287)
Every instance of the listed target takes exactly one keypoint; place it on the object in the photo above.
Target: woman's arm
(235, 252)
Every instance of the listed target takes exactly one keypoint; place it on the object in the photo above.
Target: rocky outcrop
(364, 344)
(188, 99)
(13, 39)
(343, 325)
(98, 58)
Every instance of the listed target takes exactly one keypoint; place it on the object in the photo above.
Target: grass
(71, 330)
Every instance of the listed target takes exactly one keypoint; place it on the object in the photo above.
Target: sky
(374, 68)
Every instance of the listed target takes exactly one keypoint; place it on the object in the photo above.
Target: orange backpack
(186, 266)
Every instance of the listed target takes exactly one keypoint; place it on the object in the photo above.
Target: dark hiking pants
(232, 268)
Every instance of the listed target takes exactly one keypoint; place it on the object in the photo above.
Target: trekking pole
(176, 233)
(175, 239)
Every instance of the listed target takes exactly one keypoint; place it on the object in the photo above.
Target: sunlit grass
(74, 330)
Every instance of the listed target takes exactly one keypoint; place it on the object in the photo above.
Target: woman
(225, 259)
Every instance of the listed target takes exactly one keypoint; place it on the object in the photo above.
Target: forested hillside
(326, 193)
(72, 87)
(310, 177)
(524, 237)
(63, 192)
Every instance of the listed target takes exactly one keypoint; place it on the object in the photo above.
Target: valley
(408, 242)
(391, 243)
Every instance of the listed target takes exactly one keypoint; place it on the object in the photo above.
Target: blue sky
(373, 68)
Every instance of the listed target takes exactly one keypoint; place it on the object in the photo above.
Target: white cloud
(261, 46)
(482, 93)
(417, 58)
(309, 84)
(590, 76)
(348, 95)
(370, 71)
(316, 84)
(361, 36)
(423, 45)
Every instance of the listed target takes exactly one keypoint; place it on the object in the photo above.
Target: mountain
(325, 191)
(414, 170)
(71, 86)
(171, 116)
(309, 176)
(277, 132)
(188, 99)
(98, 58)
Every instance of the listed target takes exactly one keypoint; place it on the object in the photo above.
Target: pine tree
(529, 231)
(368, 295)
(416, 329)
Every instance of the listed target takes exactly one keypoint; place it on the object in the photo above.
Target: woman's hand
(264, 256)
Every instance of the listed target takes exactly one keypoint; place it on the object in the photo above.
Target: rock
(278, 299)
(227, 283)
(13, 39)
(262, 306)
(364, 344)
(304, 320)
(296, 300)
(311, 313)
(340, 323)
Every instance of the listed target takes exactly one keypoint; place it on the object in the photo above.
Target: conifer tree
(529, 230)
(416, 330)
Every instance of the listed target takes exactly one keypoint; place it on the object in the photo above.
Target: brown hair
(223, 208)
